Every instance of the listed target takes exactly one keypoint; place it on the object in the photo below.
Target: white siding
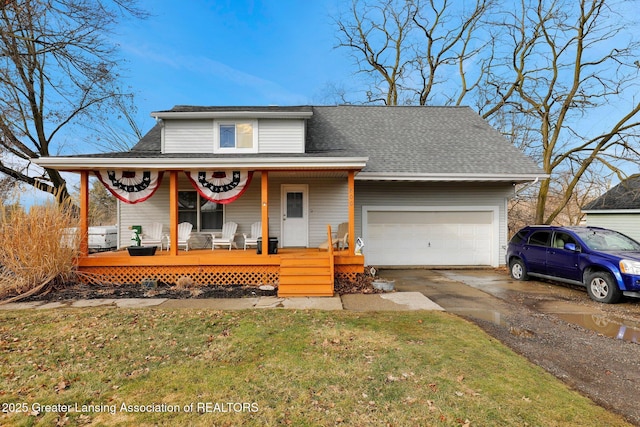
(154, 209)
(628, 224)
(188, 136)
(327, 205)
(196, 136)
(398, 194)
(281, 136)
(245, 210)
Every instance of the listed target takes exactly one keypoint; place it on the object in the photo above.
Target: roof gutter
(231, 114)
(611, 211)
(168, 163)
(449, 177)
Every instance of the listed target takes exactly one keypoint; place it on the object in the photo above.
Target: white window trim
(216, 137)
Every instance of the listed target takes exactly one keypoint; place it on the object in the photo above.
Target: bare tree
(522, 207)
(58, 68)
(566, 63)
(7, 191)
(559, 78)
(410, 50)
(378, 38)
(593, 184)
(111, 135)
(102, 205)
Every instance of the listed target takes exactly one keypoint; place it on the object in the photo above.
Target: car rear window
(519, 237)
(540, 238)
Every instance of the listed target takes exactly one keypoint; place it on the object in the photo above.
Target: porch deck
(224, 267)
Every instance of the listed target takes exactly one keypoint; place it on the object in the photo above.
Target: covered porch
(296, 271)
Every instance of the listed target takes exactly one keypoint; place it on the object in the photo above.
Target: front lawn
(271, 367)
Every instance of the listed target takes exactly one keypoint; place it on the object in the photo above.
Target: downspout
(516, 192)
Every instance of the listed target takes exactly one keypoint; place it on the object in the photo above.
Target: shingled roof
(402, 140)
(625, 195)
(417, 140)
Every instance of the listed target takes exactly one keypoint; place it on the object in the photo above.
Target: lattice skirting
(348, 273)
(252, 275)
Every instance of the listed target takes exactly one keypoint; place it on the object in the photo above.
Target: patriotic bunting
(220, 186)
(130, 186)
(137, 186)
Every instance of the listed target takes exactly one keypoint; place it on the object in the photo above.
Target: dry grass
(37, 249)
(272, 368)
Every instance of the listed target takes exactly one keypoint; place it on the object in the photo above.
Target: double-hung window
(200, 212)
(236, 137)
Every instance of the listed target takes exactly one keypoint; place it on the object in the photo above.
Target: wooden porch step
(303, 271)
(308, 275)
(305, 262)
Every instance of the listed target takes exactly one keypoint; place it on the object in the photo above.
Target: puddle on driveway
(593, 319)
(605, 325)
(501, 286)
(602, 324)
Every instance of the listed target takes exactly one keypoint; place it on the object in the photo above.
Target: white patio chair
(184, 234)
(341, 241)
(152, 235)
(227, 236)
(252, 239)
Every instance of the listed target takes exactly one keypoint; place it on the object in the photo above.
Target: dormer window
(236, 137)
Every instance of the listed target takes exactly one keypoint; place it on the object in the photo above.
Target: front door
(562, 262)
(295, 217)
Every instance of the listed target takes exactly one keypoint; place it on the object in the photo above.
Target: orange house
(420, 185)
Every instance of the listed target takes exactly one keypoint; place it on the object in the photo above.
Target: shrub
(38, 249)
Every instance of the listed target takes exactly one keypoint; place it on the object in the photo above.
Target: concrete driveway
(538, 320)
(489, 294)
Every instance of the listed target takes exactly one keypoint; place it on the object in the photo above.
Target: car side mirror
(572, 247)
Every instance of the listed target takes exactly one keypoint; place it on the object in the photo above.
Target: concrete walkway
(392, 301)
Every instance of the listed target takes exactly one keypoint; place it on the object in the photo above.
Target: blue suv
(606, 262)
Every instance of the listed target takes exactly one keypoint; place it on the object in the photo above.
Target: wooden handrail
(331, 259)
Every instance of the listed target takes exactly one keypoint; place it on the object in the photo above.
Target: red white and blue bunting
(130, 186)
(220, 186)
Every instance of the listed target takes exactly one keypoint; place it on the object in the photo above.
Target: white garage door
(400, 237)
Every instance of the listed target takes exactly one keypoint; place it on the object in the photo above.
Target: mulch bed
(71, 291)
(74, 291)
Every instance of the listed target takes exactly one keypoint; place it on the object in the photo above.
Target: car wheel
(518, 270)
(602, 287)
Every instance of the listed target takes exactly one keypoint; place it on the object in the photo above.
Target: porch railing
(331, 259)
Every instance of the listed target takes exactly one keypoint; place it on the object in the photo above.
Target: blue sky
(232, 52)
(224, 52)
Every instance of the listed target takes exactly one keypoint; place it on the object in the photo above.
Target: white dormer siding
(281, 136)
(198, 135)
(187, 136)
